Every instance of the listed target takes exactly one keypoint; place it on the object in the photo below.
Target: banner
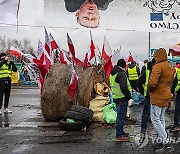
(133, 15)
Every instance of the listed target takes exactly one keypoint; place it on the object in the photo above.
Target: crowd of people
(158, 82)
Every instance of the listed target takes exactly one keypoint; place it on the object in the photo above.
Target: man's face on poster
(88, 15)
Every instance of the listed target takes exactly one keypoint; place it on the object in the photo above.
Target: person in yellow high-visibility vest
(6, 68)
(176, 68)
(121, 93)
(142, 87)
(176, 89)
(133, 73)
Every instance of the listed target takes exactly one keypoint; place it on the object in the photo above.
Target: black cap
(146, 61)
(2, 54)
(121, 63)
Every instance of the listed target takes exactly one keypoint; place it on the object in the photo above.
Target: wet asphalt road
(26, 131)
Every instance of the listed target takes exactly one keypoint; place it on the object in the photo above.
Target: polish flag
(45, 58)
(78, 62)
(72, 51)
(52, 42)
(64, 57)
(87, 59)
(15, 52)
(111, 62)
(130, 58)
(73, 83)
(92, 48)
(47, 42)
(108, 67)
(71, 46)
(106, 50)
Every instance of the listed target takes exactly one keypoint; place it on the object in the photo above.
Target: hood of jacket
(116, 69)
(160, 55)
(131, 66)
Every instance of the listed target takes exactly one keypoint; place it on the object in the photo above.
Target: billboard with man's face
(136, 15)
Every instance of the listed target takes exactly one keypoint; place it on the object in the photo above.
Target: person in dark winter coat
(144, 67)
(142, 87)
(121, 92)
(176, 89)
(6, 68)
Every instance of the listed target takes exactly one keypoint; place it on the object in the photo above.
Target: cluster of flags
(39, 65)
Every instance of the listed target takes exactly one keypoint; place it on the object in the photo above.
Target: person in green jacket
(6, 68)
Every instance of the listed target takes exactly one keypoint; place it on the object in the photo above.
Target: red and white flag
(64, 57)
(71, 46)
(109, 64)
(129, 58)
(52, 42)
(15, 52)
(106, 50)
(72, 51)
(73, 83)
(108, 67)
(92, 48)
(9, 11)
(47, 42)
(87, 58)
(46, 58)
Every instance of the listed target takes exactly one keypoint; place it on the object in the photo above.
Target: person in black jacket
(175, 88)
(121, 92)
(142, 87)
(144, 67)
(6, 68)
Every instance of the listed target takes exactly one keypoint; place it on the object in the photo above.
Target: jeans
(145, 114)
(121, 115)
(158, 120)
(177, 111)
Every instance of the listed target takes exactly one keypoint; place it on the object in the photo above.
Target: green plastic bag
(109, 115)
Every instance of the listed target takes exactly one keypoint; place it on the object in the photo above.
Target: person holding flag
(121, 92)
(6, 68)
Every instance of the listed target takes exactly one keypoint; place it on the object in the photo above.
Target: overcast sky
(137, 42)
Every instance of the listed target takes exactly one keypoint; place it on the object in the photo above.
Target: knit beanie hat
(121, 63)
(2, 54)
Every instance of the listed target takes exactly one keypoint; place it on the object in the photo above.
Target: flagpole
(149, 45)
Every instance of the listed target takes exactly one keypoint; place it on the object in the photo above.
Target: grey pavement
(26, 131)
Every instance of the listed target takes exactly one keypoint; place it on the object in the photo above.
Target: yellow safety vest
(132, 73)
(115, 88)
(178, 78)
(146, 83)
(5, 71)
(176, 71)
